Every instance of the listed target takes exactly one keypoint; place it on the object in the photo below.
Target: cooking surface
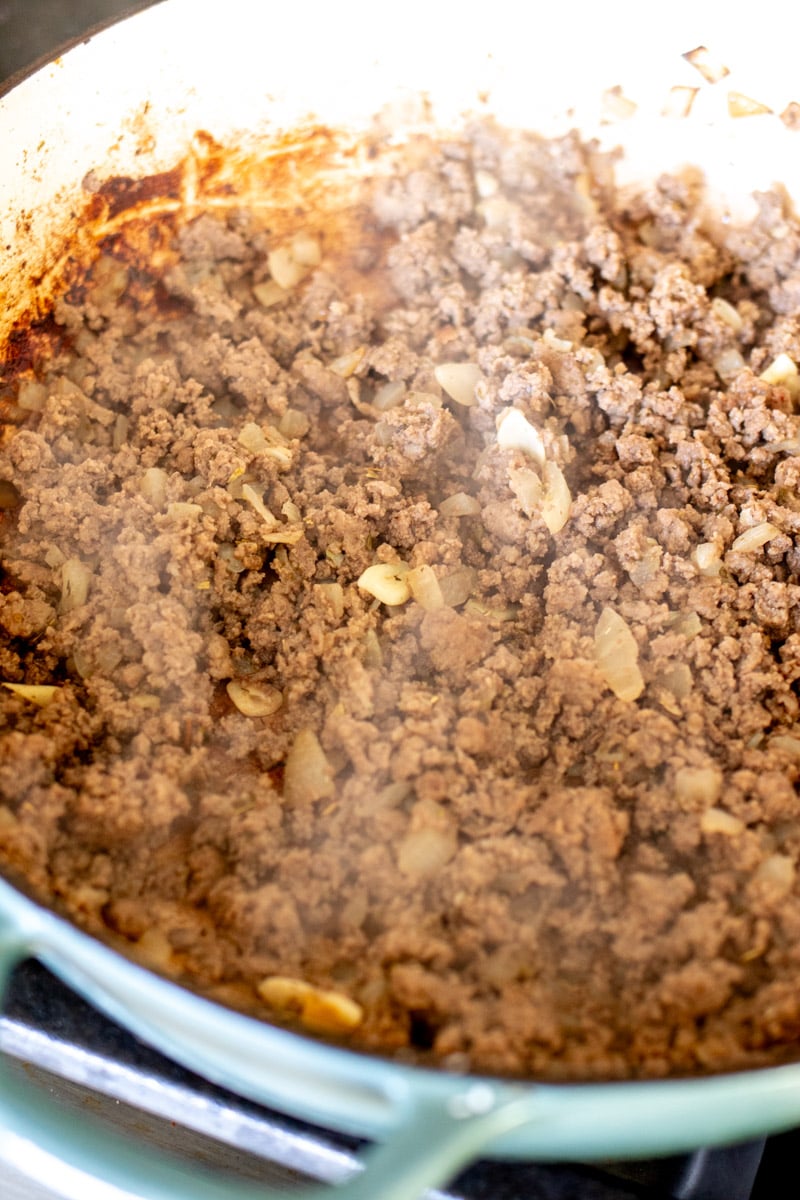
(88, 1065)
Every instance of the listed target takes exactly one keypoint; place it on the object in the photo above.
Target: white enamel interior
(128, 101)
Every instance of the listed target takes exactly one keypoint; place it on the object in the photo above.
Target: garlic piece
(616, 654)
(254, 699)
(386, 582)
(515, 432)
(459, 381)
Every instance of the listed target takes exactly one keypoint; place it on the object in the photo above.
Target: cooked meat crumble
(423, 670)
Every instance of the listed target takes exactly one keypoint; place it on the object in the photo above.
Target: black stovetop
(45, 1024)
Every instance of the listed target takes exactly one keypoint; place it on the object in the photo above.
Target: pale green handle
(429, 1145)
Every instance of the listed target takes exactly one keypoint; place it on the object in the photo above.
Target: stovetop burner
(89, 1062)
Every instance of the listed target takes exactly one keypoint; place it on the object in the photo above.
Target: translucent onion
(527, 488)
(389, 395)
(153, 486)
(424, 588)
(269, 294)
(717, 820)
(787, 743)
(460, 504)
(458, 586)
(616, 654)
(755, 537)
(423, 852)
(706, 557)
(318, 1009)
(40, 694)
(782, 372)
(727, 314)
(308, 776)
(728, 364)
(251, 436)
(75, 581)
(32, 395)
(778, 871)
(459, 381)
(696, 786)
(556, 501)
(515, 432)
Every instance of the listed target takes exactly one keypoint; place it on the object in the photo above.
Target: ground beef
(439, 827)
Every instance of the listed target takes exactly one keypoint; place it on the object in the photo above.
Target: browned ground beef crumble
(451, 822)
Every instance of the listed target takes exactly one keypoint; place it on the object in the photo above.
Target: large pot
(128, 104)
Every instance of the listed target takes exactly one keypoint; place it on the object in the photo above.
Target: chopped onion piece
(308, 776)
(678, 680)
(706, 557)
(32, 395)
(728, 364)
(294, 424)
(782, 372)
(616, 654)
(707, 64)
(386, 582)
(696, 786)
(717, 820)
(254, 699)
(679, 101)
(515, 432)
(305, 250)
(317, 1009)
(458, 586)
(346, 364)
(389, 395)
(689, 624)
(284, 268)
(75, 580)
(756, 536)
(778, 870)
(333, 595)
(424, 588)
(269, 294)
(460, 504)
(459, 381)
(740, 105)
(121, 429)
(40, 694)
(288, 535)
(252, 497)
(486, 185)
(557, 501)
(180, 510)
(423, 852)
(527, 488)
(787, 743)
(251, 436)
(727, 313)
(153, 486)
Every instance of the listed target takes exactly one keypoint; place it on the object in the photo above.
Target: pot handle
(433, 1139)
